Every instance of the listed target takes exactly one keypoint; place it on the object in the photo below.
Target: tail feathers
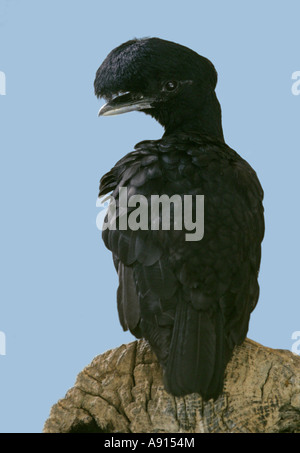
(198, 353)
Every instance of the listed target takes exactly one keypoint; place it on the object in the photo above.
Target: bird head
(170, 82)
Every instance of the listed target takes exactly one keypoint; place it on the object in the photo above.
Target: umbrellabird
(190, 299)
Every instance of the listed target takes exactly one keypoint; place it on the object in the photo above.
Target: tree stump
(121, 391)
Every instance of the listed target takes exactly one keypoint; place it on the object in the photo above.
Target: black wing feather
(191, 300)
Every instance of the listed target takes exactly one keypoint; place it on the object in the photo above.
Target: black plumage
(190, 299)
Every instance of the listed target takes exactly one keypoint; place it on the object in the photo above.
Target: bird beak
(125, 103)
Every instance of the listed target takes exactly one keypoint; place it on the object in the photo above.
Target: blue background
(58, 283)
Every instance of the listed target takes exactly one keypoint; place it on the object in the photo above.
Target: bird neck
(204, 118)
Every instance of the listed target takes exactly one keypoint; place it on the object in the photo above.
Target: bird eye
(171, 85)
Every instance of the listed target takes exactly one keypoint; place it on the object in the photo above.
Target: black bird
(190, 299)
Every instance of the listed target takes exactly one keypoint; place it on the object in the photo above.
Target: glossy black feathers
(191, 300)
(124, 69)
